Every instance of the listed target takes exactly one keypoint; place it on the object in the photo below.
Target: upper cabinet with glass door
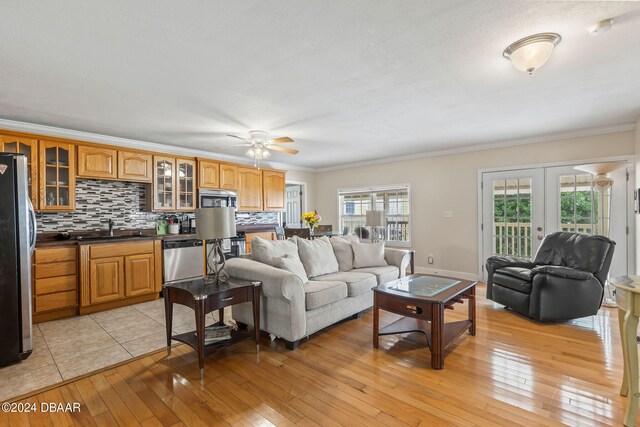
(57, 176)
(186, 195)
(164, 180)
(28, 147)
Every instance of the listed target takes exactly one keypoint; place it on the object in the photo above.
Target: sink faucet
(110, 227)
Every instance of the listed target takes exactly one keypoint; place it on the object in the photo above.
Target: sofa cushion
(317, 256)
(368, 254)
(270, 251)
(383, 274)
(513, 283)
(292, 265)
(344, 253)
(319, 293)
(357, 283)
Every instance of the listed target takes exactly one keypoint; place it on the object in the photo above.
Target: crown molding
(134, 143)
(500, 144)
(170, 149)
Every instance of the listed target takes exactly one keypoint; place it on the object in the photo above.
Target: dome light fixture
(532, 52)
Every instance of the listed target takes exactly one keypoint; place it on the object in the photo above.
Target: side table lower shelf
(191, 339)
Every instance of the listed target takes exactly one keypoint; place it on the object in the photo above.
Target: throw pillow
(368, 254)
(292, 265)
(344, 253)
(317, 256)
(269, 251)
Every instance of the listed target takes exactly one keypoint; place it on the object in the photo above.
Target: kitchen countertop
(94, 237)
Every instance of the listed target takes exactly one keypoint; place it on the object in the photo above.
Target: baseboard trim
(450, 273)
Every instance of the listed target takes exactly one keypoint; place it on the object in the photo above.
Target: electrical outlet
(430, 259)
(447, 214)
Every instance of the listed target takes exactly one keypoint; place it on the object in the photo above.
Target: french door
(512, 212)
(519, 207)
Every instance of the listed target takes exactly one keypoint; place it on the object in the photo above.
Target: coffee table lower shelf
(451, 332)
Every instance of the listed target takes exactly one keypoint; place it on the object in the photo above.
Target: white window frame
(376, 189)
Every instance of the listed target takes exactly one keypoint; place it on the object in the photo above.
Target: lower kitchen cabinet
(55, 283)
(106, 279)
(118, 274)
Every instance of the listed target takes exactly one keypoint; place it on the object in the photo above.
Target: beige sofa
(307, 285)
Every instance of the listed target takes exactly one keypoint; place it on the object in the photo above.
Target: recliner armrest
(564, 272)
(495, 262)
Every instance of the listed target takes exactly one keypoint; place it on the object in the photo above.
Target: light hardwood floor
(514, 372)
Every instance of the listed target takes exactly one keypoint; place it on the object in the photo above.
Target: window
(394, 201)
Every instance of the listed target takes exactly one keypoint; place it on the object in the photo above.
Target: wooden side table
(204, 299)
(628, 299)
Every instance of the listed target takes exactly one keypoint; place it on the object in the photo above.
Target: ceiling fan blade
(281, 140)
(236, 136)
(283, 149)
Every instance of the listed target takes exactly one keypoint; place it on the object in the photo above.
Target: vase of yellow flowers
(312, 219)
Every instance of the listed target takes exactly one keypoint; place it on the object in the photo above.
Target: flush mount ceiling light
(530, 53)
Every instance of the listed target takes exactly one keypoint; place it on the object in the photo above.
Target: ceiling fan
(259, 145)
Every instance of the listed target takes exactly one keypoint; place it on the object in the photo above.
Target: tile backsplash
(124, 203)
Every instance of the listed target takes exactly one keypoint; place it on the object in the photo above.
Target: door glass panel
(11, 147)
(63, 176)
(26, 150)
(579, 201)
(63, 157)
(52, 196)
(51, 156)
(512, 233)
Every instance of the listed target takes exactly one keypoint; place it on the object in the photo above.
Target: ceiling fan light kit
(531, 52)
(259, 145)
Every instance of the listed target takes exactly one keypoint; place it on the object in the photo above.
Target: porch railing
(514, 238)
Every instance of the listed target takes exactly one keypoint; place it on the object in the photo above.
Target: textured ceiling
(348, 80)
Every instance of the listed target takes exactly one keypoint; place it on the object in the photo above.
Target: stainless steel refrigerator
(17, 241)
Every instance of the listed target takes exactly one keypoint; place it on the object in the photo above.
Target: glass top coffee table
(422, 300)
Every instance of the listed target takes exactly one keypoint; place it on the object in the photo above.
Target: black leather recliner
(565, 280)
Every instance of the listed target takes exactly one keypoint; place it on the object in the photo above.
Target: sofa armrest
(276, 283)
(563, 272)
(398, 257)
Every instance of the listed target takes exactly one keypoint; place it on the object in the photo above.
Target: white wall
(450, 182)
(637, 186)
(308, 178)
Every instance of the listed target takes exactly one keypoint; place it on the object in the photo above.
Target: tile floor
(67, 348)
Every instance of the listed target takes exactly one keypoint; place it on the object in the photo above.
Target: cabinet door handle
(227, 299)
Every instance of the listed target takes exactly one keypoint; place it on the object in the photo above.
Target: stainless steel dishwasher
(183, 259)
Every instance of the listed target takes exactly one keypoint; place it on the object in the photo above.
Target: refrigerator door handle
(33, 227)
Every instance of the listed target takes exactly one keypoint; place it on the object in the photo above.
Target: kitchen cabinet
(97, 162)
(186, 185)
(118, 274)
(28, 147)
(208, 174)
(57, 176)
(249, 189)
(55, 283)
(133, 166)
(106, 279)
(139, 274)
(267, 235)
(164, 180)
(228, 176)
(273, 190)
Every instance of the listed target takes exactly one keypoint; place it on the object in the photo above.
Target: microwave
(217, 199)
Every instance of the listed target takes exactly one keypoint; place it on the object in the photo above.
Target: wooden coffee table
(422, 300)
